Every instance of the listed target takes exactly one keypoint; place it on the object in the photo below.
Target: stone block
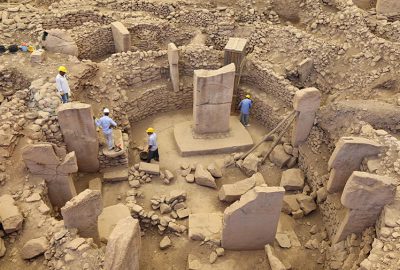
(205, 225)
(290, 204)
(251, 222)
(123, 247)
(95, 184)
(115, 174)
(236, 140)
(69, 165)
(203, 177)
(10, 217)
(365, 190)
(250, 164)
(292, 179)
(82, 211)
(109, 218)
(38, 56)
(304, 69)
(79, 131)
(213, 92)
(279, 157)
(388, 7)
(149, 168)
(34, 247)
(121, 36)
(356, 221)
(307, 100)
(233, 192)
(215, 170)
(273, 261)
(307, 203)
(60, 41)
(346, 158)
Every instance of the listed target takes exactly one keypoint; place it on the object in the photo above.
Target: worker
(153, 147)
(106, 124)
(244, 107)
(62, 84)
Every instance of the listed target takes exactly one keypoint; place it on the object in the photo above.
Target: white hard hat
(106, 110)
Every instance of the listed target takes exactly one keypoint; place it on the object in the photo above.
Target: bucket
(143, 155)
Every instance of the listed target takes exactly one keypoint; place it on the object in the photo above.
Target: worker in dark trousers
(153, 147)
(244, 107)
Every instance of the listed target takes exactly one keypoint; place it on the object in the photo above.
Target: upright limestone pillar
(82, 212)
(213, 91)
(235, 52)
(79, 131)
(173, 59)
(121, 36)
(306, 102)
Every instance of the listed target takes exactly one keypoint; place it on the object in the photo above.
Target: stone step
(114, 174)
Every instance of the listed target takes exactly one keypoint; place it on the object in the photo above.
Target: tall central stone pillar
(213, 92)
(79, 131)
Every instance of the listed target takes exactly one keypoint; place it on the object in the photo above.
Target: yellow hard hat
(248, 96)
(62, 69)
(150, 130)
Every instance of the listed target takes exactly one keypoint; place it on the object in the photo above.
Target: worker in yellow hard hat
(153, 147)
(62, 84)
(244, 107)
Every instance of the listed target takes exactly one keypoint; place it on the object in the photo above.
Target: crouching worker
(106, 124)
(153, 147)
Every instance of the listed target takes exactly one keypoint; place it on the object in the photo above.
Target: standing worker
(153, 148)
(62, 84)
(244, 107)
(106, 124)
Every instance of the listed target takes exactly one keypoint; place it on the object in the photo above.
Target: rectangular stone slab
(251, 222)
(149, 168)
(114, 174)
(238, 139)
(122, 37)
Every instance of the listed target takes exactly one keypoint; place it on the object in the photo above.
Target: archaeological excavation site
(200, 134)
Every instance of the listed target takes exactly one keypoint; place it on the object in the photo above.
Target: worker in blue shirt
(244, 107)
(106, 124)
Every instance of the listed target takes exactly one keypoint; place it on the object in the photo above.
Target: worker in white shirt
(62, 84)
(153, 147)
(106, 124)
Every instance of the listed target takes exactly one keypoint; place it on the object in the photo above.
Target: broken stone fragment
(189, 178)
(290, 204)
(165, 243)
(203, 177)
(283, 240)
(292, 179)
(2, 248)
(213, 257)
(279, 157)
(215, 170)
(169, 175)
(183, 213)
(250, 164)
(274, 262)
(10, 216)
(232, 192)
(34, 247)
(220, 252)
(306, 203)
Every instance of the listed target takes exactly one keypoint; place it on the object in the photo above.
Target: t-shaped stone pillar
(42, 160)
(213, 91)
(306, 102)
(81, 212)
(173, 59)
(79, 131)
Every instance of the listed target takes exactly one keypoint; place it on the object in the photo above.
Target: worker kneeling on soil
(62, 84)
(153, 148)
(244, 107)
(106, 124)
